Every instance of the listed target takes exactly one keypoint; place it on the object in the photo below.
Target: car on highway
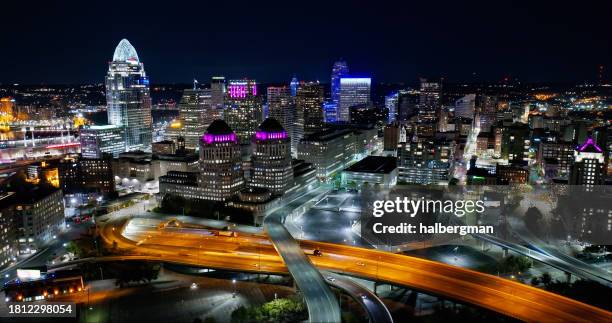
(330, 279)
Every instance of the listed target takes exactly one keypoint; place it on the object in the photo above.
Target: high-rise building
(195, 115)
(391, 103)
(39, 215)
(515, 143)
(97, 140)
(127, 97)
(391, 134)
(425, 162)
(353, 91)
(243, 108)
(221, 174)
(294, 85)
(464, 107)
(407, 102)
(589, 167)
(217, 92)
(309, 109)
(8, 227)
(429, 99)
(486, 106)
(339, 70)
(557, 157)
(271, 161)
(281, 106)
(330, 112)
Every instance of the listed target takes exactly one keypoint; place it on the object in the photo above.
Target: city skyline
(391, 42)
(303, 162)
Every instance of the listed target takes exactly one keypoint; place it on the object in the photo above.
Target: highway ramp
(320, 300)
(377, 311)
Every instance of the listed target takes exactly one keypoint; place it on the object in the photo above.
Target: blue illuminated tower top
(294, 85)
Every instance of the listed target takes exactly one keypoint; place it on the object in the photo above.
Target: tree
(546, 279)
(282, 310)
(137, 272)
(74, 249)
(352, 185)
(514, 264)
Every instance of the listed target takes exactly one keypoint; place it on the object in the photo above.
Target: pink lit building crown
(214, 138)
(265, 135)
(588, 143)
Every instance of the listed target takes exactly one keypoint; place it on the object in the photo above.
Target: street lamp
(234, 284)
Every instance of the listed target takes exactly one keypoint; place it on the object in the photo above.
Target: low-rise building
(372, 170)
(166, 147)
(511, 174)
(329, 151)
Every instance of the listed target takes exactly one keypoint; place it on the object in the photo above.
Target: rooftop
(271, 125)
(102, 127)
(219, 127)
(374, 164)
(589, 146)
(125, 52)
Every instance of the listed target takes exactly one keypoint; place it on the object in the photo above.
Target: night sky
(62, 42)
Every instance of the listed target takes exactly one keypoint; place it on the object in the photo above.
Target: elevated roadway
(257, 254)
(320, 300)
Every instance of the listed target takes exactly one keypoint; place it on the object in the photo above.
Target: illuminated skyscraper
(309, 109)
(217, 92)
(330, 112)
(271, 167)
(464, 107)
(221, 173)
(243, 108)
(281, 106)
(391, 103)
(294, 85)
(429, 99)
(353, 91)
(194, 115)
(127, 97)
(589, 167)
(339, 70)
(310, 106)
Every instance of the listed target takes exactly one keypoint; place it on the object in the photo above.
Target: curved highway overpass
(554, 261)
(257, 254)
(377, 311)
(320, 300)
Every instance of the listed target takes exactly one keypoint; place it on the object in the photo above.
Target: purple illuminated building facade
(243, 108)
(221, 174)
(271, 159)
